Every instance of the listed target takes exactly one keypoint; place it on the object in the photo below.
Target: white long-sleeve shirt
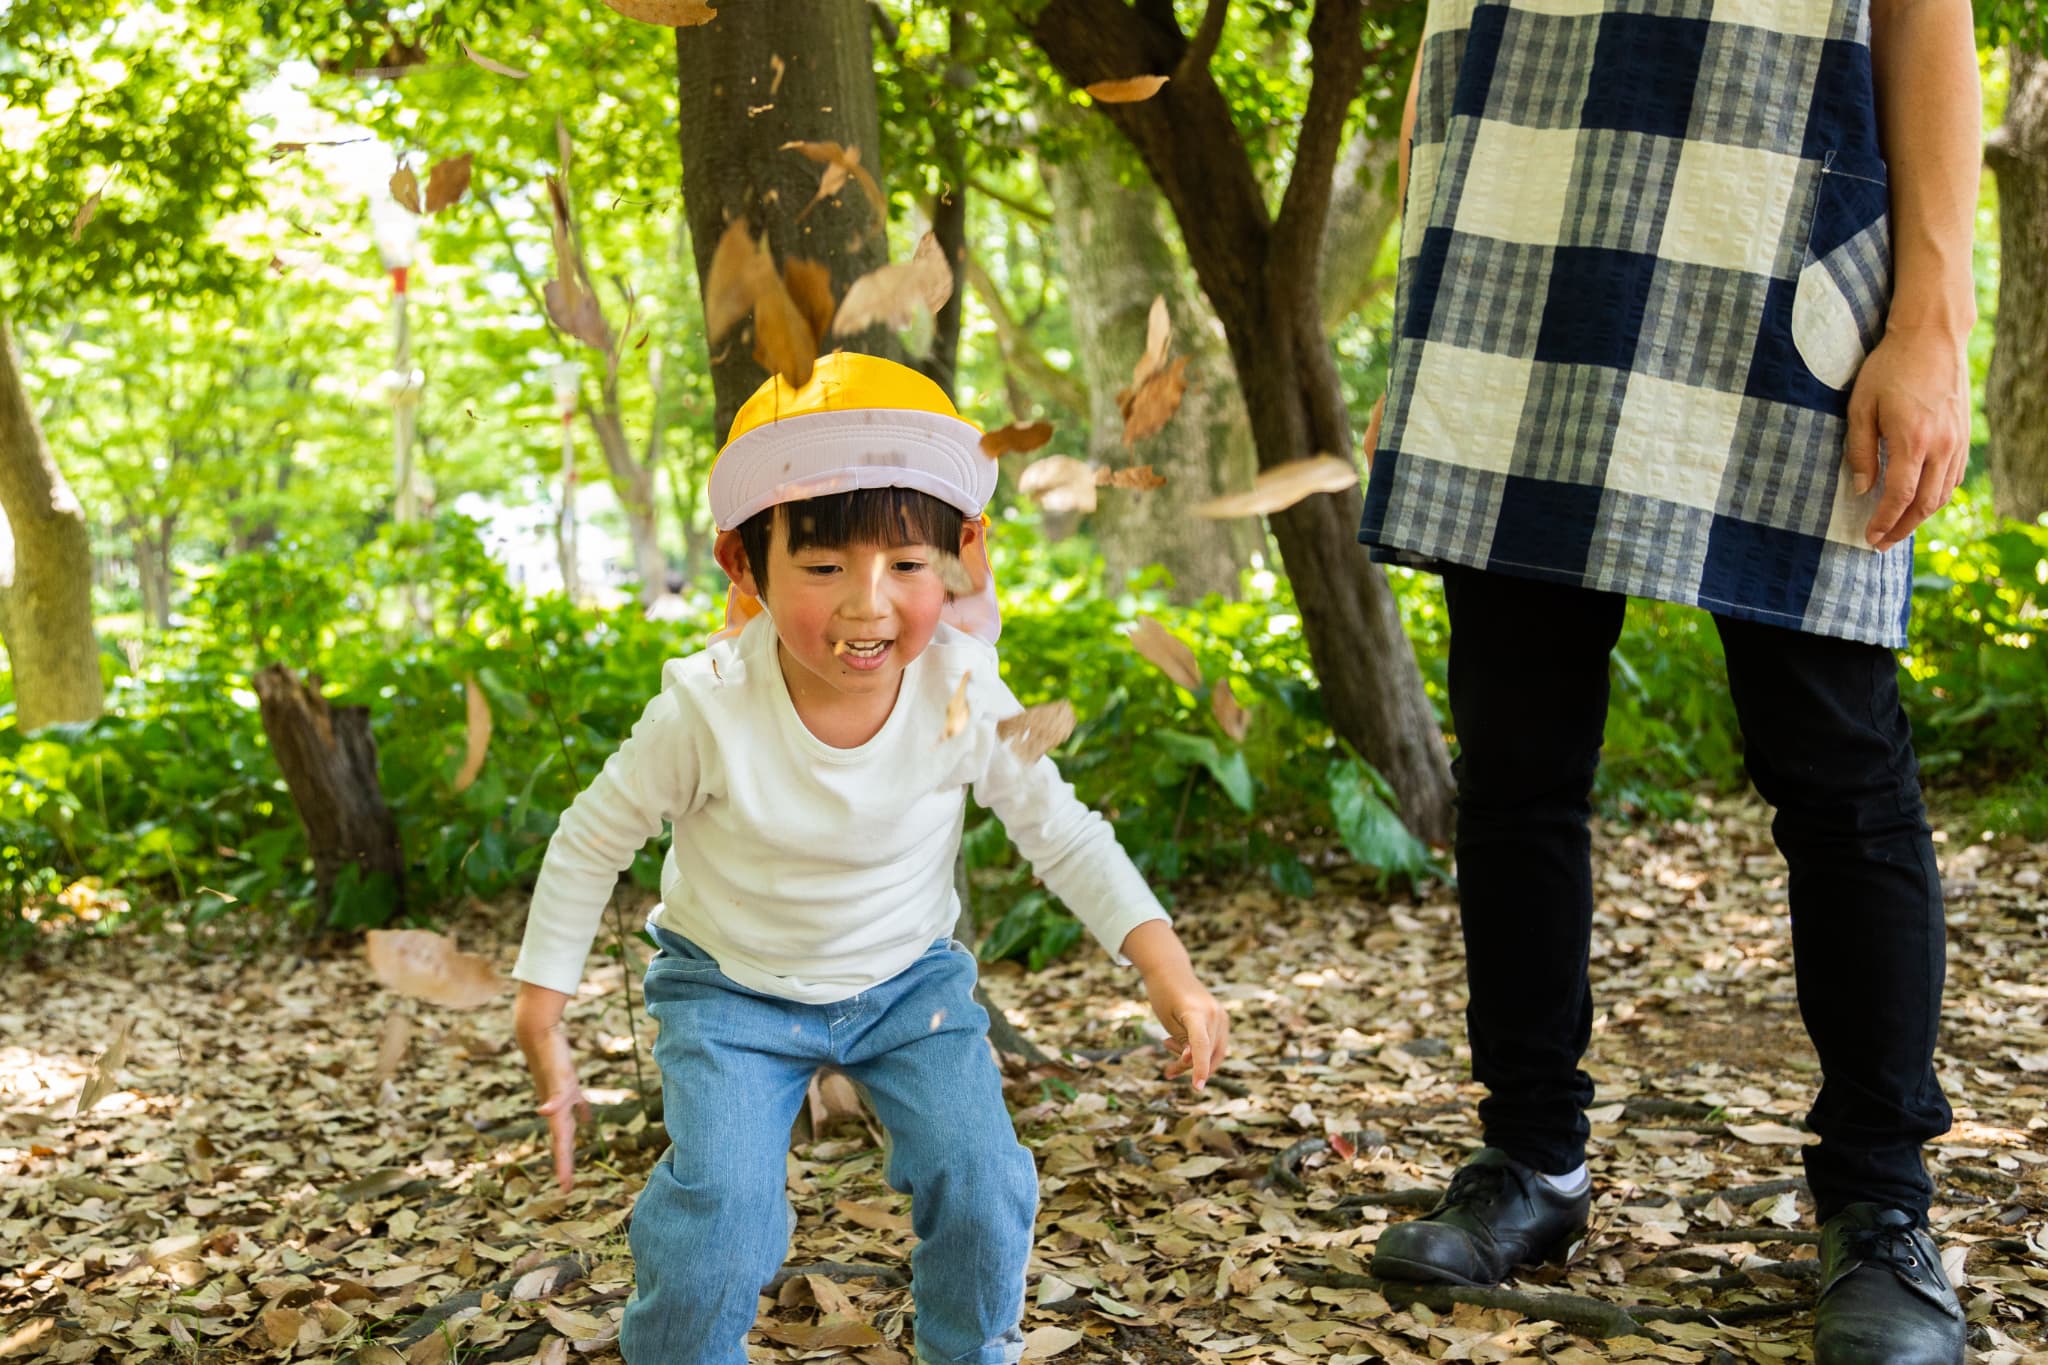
(808, 871)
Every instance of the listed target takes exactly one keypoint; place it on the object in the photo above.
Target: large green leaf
(1229, 769)
(1372, 829)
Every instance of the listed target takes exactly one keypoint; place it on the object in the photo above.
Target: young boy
(814, 765)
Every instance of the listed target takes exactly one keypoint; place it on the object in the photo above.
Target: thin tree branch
(1018, 348)
(1206, 40)
(1022, 207)
(1337, 63)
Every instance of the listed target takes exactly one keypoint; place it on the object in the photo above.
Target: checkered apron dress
(1645, 250)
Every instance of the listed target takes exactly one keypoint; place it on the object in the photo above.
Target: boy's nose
(867, 596)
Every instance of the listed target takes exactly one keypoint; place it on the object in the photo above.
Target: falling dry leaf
(427, 966)
(1059, 483)
(1127, 91)
(780, 68)
(1150, 406)
(1768, 1134)
(447, 182)
(1139, 478)
(85, 214)
(667, 13)
(839, 162)
(1158, 336)
(1015, 439)
(495, 68)
(1168, 653)
(1036, 731)
(895, 295)
(478, 733)
(107, 1069)
(743, 279)
(573, 308)
(1283, 486)
(1223, 704)
(728, 285)
(391, 1046)
(957, 712)
(405, 188)
(810, 287)
(953, 575)
(833, 1103)
(783, 341)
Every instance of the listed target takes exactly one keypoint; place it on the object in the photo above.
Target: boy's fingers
(562, 1133)
(1198, 1050)
(1220, 1044)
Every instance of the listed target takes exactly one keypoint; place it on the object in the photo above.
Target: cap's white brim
(821, 453)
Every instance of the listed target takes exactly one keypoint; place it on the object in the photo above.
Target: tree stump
(330, 765)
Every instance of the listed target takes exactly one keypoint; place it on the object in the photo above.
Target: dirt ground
(290, 1162)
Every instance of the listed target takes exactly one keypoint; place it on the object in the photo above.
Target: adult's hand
(1913, 393)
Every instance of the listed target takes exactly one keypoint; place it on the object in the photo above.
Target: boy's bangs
(872, 516)
(865, 516)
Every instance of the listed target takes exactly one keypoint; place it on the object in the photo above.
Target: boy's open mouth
(861, 653)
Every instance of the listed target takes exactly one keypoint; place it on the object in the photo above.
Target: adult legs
(1529, 689)
(973, 1188)
(1828, 745)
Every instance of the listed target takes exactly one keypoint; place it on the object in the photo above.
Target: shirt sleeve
(1071, 847)
(649, 780)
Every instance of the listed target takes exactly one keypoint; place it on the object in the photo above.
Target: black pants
(1826, 743)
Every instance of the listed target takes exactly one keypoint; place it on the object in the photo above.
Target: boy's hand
(1198, 1031)
(537, 1023)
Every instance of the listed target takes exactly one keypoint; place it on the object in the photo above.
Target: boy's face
(850, 619)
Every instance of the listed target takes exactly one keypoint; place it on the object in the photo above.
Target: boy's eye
(909, 565)
(821, 569)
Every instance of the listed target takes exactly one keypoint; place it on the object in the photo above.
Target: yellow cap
(862, 422)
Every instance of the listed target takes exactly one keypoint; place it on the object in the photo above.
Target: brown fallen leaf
(827, 1333)
(1139, 478)
(1059, 483)
(839, 162)
(447, 182)
(477, 733)
(282, 1326)
(424, 965)
(1152, 404)
(494, 67)
(1168, 653)
(1043, 1343)
(666, 13)
(781, 68)
(896, 294)
(1283, 486)
(783, 341)
(553, 1351)
(1158, 336)
(957, 712)
(1232, 716)
(870, 1217)
(391, 1046)
(1037, 730)
(405, 188)
(1129, 90)
(105, 1071)
(1018, 438)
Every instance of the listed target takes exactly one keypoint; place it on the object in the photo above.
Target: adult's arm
(1913, 391)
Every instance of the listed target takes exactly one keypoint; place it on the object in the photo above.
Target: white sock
(1571, 1182)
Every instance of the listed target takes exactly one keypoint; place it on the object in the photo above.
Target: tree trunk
(734, 165)
(1363, 209)
(1261, 274)
(45, 570)
(1117, 255)
(330, 764)
(2016, 389)
(949, 214)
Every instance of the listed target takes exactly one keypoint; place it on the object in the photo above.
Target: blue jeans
(712, 1225)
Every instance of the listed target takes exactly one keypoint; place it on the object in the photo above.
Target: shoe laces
(1889, 1244)
(1480, 1185)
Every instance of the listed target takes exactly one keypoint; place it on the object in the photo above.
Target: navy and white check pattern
(1645, 250)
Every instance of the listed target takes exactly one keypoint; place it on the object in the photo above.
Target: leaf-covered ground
(251, 1188)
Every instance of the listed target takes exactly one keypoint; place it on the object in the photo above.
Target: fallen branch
(1593, 1317)
(429, 1322)
(837, 1270)
(1789, 1236)
(1285, 1168)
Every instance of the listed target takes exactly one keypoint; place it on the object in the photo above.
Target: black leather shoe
(1497, 1215)
(1883, 1297)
